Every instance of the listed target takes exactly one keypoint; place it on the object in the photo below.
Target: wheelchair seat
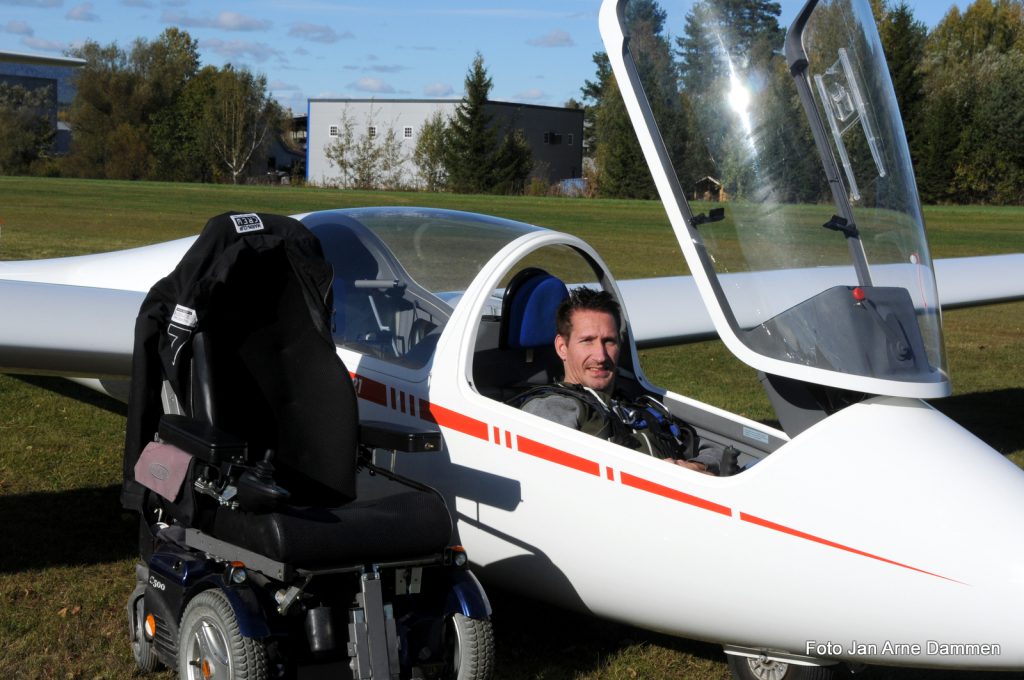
(237, 340)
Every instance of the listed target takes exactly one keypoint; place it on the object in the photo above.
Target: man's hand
(692, 464)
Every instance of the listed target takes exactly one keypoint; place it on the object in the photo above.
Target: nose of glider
(908, 530)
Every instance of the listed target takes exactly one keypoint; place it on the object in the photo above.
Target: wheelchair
(265, 552)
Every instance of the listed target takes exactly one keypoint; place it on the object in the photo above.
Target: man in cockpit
(587, 340)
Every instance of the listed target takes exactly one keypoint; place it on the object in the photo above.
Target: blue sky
(536, 51)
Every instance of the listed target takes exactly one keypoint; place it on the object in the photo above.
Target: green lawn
(66, 553)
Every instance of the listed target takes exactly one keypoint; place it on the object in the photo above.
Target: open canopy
(801, 135)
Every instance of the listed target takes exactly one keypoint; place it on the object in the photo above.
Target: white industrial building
(555, 134)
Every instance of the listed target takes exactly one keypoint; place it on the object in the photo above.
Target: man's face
(591, 352)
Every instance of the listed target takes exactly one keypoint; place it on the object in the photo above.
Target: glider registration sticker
(184, 316)
(246, 223)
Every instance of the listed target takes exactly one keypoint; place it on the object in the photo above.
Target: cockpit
(399, 273)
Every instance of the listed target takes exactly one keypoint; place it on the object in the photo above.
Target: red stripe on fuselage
(454, 420)
(832, 544)
(553, 455)
(673, 494)
(370, 390)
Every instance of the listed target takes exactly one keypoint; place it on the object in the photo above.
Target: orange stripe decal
(832, 544)
(553, 455)
(454, 421)
(673, 494)
(611, 474)
(508, 439)
(370, 390)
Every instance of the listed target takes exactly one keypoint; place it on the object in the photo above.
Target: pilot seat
(263, 554)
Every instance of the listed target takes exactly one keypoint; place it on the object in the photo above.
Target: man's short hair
(585, 299)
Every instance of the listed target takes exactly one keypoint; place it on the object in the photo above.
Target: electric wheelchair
(264, 552)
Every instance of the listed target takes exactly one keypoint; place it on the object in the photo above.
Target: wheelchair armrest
(202, 440)
(394, 437)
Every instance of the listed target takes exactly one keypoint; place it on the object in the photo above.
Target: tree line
(150, 112)
(959, 87)
(155, 112)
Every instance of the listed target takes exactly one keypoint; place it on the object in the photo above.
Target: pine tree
(903, 39)
(472, 138)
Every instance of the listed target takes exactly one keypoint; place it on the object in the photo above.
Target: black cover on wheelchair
(251, 359)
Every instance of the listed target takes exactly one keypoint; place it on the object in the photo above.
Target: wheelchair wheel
(142, 649)
(211, 646)
(472, 651)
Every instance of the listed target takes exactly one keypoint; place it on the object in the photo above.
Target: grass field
(66, 552)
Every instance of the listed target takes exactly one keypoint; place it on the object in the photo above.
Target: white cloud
(555, 38)
(44, 45)
(235, 49)
(19, 28)
(281, 86)
(438, 90)
(82, 12)
(318, 33)
(372, 85)
(225, 21)
(33, 3)
(531, 95)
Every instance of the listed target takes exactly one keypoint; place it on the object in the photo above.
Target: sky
(536, 51)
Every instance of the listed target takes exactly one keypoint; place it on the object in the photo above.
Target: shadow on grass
(72, 390)
(538, 640)
(65, 528)
(993, 416)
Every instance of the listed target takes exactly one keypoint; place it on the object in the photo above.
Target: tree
(26, 133)
(903, 39)
(369, 160)
(472, 138)
(967, 70)
(429, 155)
(239, 117)
(512, 163)
(622, 170)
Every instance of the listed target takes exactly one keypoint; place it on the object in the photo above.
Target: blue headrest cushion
(531, 321)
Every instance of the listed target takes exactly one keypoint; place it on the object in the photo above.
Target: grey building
(55, 74)
(555, 134)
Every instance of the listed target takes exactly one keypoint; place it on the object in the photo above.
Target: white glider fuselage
(883, 534)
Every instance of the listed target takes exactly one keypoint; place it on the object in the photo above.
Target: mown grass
(66, 552)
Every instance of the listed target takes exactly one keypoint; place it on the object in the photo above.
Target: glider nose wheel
(758, 668)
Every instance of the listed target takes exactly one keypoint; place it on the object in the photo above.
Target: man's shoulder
(558, 405)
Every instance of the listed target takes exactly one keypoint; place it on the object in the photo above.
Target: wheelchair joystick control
(257, 489)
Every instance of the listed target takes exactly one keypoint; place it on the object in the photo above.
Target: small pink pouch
(162, 468)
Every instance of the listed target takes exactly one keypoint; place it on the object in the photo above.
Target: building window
(372, 131)
(570, 139)
(334, 131)
(407, 132)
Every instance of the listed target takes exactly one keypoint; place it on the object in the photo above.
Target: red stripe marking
(371, 390)
(832, 544)
(497, 435)
(394, 402)
(553, 455)
(402, 397)
(452, 420)
(508, 439)
(611, 474)
(673, 494)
